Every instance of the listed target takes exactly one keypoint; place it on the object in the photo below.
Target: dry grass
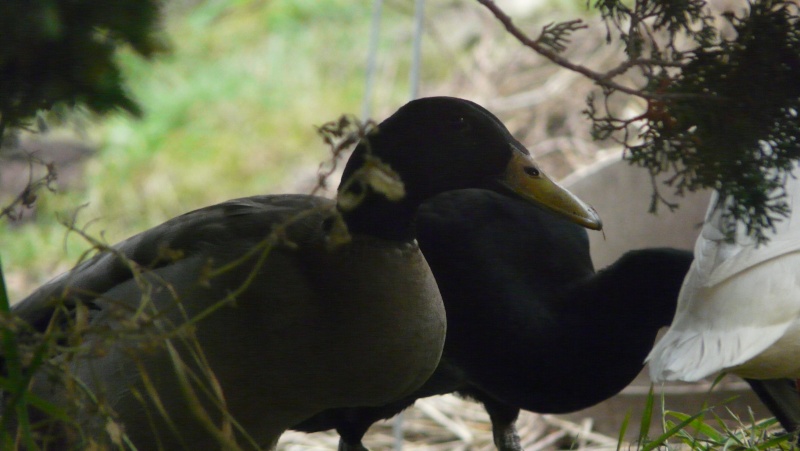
(450, 423)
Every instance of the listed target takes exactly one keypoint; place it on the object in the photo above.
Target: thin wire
(397, 431)
(372, 58)
(366, 108)
(416, 57)
(416, 63)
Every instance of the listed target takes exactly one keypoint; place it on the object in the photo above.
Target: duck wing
(738, 299)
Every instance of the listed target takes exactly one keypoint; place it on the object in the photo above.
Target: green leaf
(672, 431)
(623, 428)
(647, 416)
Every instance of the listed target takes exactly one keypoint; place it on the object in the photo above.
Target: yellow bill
(523, 177)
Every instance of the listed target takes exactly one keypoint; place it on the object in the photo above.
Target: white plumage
(739, 307)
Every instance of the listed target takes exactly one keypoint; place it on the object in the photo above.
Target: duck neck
(643, 284)
(381, 218)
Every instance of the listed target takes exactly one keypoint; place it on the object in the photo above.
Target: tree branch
(603, 79)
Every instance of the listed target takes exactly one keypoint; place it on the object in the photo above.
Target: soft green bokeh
(230, 112)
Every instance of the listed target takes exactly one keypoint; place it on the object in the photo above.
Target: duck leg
(503, 416)
(344, 446)
(504, 430)
(782, 398)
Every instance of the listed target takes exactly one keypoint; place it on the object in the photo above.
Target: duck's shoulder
(243, 219)
(220, 230)
(468, 211)
(237, 223)
(478, 224)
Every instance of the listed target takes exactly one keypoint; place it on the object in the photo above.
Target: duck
(739, 307)
(225, 326)
(531, 325)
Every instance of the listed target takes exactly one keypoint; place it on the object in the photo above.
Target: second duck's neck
(381, 218)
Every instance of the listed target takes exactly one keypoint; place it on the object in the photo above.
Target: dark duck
(531, 325)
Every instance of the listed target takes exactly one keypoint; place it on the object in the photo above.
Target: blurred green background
(230, 110)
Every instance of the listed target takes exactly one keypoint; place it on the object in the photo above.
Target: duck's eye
(459, 123)
(532, 171)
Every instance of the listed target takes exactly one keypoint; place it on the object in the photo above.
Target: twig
(27, 197)
(602, 79)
